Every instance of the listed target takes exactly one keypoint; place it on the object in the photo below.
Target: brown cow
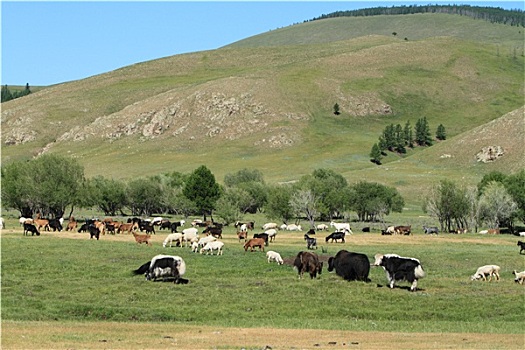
(142, 238)
(254, 242)
(494, 231)
(308, 262)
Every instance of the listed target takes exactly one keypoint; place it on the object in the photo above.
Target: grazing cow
(167, 267)
(483, 271)
(31, 228)
(142, 238)
(211, 246)
(430, 230)
(264, 236)
(520, 276)
(521, 245)
(254, 242)
(274, 256)
(311, 243)
(214, 231)
(308, 262)
(390, 230)
(341, 227)
(398, 269)
(334, 236)
(350, 266)
(403, 230)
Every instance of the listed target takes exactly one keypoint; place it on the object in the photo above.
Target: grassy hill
(266, 102)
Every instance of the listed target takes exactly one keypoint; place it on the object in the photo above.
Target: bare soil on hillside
(104, 335)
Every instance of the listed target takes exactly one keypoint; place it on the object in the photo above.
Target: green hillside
(267, 103)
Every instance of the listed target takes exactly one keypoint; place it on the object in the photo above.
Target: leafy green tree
(449, 204)
(375, 154)
(144, 196)
(371, 201)
(232, 204)
(515, 185)
(18, 188)
(497, 176)
(496, 205)
(109, 195)
(243, 176)
(408, 134)
(252, 182)
(441, 134)
(202, 189)
(400, 140)
(6, 94)
(278, 206)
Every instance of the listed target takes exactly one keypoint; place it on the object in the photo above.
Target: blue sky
(46, 43)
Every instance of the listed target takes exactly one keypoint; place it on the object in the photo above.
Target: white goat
(271, 234)
(173, 237)
(274, 256)
(194, 247)
(341, 227)
(520, 276)
(483, 271)
(211, 246)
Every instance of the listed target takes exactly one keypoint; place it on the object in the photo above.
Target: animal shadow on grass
(402, 287)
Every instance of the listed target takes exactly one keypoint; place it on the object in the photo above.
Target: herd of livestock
(349, 265)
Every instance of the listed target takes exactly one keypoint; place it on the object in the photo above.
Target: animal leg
(413, 288)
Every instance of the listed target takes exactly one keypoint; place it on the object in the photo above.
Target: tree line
(8, 95)
(397, 138)
(50, 184)
(515, 17)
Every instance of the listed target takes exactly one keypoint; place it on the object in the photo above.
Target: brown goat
(142, 238)
(254, 242)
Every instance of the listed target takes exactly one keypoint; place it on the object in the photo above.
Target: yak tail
(181, 267)
(143, 269)
(418, 272)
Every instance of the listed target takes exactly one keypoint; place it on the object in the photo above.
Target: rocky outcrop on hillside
(490, 154)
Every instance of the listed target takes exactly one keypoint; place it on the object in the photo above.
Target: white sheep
(321, 227)
(522, 234)
(173, 237)
(271, 234)
(293, 227)
(202, 242)
(190, 235)
(194, 247)
(283, 227)
(274, 256)
(520, 276)
(211, 246)
(483, 271)
(269, 225)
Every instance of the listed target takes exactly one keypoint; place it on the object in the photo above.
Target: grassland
(65, 278)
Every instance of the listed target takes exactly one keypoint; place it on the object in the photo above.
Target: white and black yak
(400, 269)
(350, 266)
(165, 267)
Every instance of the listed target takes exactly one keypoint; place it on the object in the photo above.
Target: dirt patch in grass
(103, 335)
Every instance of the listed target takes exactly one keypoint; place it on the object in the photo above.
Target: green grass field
(57, 278)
